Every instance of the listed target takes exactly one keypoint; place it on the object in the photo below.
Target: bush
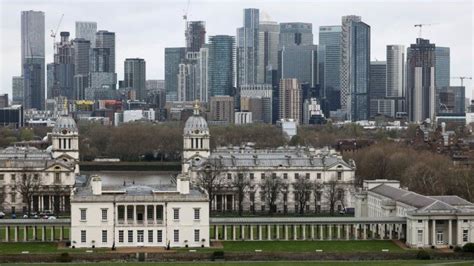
(468, 247)
(64, 257)
(218, 255)
(457, 249)
(423, 255)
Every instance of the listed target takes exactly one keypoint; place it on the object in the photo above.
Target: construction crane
(462, 79)
(185, 12)
(421, 26)
(54, 33)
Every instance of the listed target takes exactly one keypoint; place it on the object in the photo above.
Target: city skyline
(135, 40)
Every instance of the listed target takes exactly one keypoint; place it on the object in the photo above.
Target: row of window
(176, 214)
(140, 236)
(57, 177)
(285, 175)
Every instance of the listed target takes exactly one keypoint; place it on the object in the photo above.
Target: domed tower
(65, 138)
(196, 136)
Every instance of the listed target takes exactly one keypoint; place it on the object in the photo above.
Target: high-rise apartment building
(135, 76)
(296, 34)
(33, 58)
(221, 65)
(268, 39)
(222, 109)
(17, 90)
(355, 68)
(329, 59)
(247, 48)
(195, 35)
(258, 99)
(421, 80)
(173, 57)
(290, 100)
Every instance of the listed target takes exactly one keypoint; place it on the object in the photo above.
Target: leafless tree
(209, 178)
(28, 184)
(317, 188)
(271, 187)
(240, 184)
(332, 194)
(302, 190)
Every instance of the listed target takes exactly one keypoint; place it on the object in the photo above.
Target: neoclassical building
(46, 177)
(324, 171)
(139, 215)
(438, 221)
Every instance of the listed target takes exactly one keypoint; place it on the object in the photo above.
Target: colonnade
(27, 233)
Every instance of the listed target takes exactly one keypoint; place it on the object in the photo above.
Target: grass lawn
(40, 247)
(283, 263)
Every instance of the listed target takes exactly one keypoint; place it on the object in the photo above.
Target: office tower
(86, 30)
(258, 99)
(106, 39)
(222, 109)
(247, 48)
(355, 67)
(135, 76)
(396, 77)
(100, 60)
(81, 56)
(156, 94)
(195, 35)
(421, 80)
(221, 65)
(296, 34)
(290, 100)
(32, 58)
(452, 99)
(442, 67)
(379, 105)
(299, 62)
(173, 57)
(329, 58)
(17, 90)
(63, 68)
(203, 75)
(268, 39)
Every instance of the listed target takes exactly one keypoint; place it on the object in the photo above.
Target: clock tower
(196, 136)
(65, 138)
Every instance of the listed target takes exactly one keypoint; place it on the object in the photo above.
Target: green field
(39, 234)
(296, 263)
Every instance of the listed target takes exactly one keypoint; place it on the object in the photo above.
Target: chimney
(96, 184)
(182, 185)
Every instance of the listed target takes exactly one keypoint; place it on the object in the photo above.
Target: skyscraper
(378, 90)
(247, 48)
(32, 58)
(135, 76)
(64, 67)
(421, 80)
(299, 62)
(452, 100)
(106, 39)
(173, 57)
(355, 68)
(290, 100)
(87, 30)
(396, 76)
(195, 35)
(296, 34)
(329, 58)
(17, 90)
(221, 64)
(442, 67)
(268, 38)
(81, 56)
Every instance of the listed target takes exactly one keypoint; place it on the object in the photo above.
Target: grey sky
(144, 28)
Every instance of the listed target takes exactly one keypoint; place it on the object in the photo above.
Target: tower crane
(54, 33)
(421, 27)
(462, 79)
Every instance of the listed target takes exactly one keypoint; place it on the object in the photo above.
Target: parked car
(2, 215)
(52, 218)
(13, 216)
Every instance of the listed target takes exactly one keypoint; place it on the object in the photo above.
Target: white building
(43, 177)
(243, 118)
(139, 215)
(439, 221)
(320, 167)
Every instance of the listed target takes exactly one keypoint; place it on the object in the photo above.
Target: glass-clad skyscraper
(221, 68)
(247, 48)
(329, 60)
(173, 57)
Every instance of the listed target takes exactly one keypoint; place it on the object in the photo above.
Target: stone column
(286, 232)
(365, 231)
(321, 233)
(234, 237)
(295, 234)
(251, 232)
(243, 232)
(277, 232)
(16, 233)
(25, 233)
(347, 231)
(259, 232)
(426, 232)
(225, 232)
(52, 233)
(145, 218)
(125, 213)
(134, 214)
(269, 232)
(338, 231)
(61, 232)
(303, 231)
(312, 231)
(450, 232)
(330, 231)
(35, 233)
(7, 234)
(43, 235)
(433, 236)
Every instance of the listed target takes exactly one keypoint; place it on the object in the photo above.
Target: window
(176, 214)
(104, 236)
(13, 197)
(274, 175)
(83, 214)
(104, 214)
(13, 177)
(252, 176)
(196, 235)
(297, 175)
(197, 213)
(150, 236)
(120, 236)
(159, 236)
(262, 176)
(465, 221)
(285, 176)
(262, 197)
(339, 175)
(240, 176)
(1, 177)
(318, 176)
(420, 236)
(140, 236)
(308, 175)
(420, 221)
(465, 235)
(130, 236)
(229, 176)
(57, 178)
(176, 235)
(83, 236)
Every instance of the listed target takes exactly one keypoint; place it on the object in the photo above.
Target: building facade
(329, 58)
(296, 34)
(221, 64)
(135, 76)
(268, 38)
(290, 100)
(173, 57)
(247, 48)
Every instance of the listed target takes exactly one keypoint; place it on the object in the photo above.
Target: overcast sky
(144, 28)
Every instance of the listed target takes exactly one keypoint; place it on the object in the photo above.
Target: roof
(305, 220)
(65, 122)
(404, 196)
(195, 122)
(452, 200)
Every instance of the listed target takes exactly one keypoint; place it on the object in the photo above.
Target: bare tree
(332, 194)
(28, 185)
(240, 185)
(270, 187)
(301, 190)
(317, 188)
(209, 178)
